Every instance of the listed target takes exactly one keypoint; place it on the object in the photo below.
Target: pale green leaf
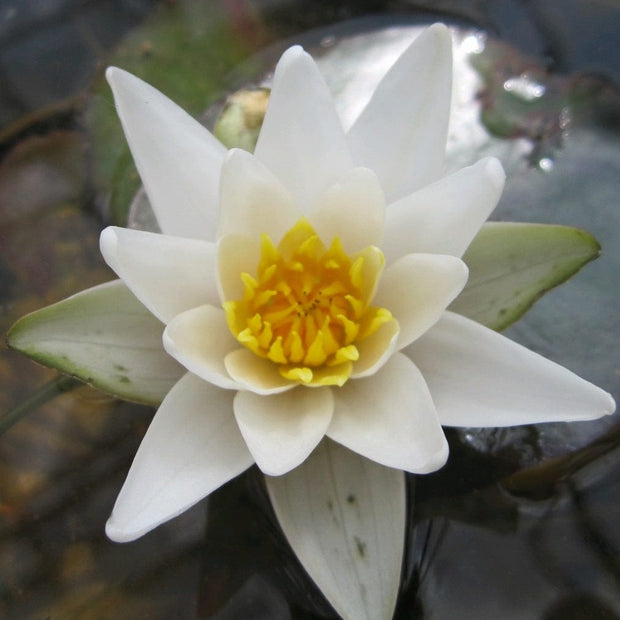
(105, 337)
(511, 265)
(344, 516)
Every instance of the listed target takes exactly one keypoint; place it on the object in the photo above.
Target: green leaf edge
(586, 249)
(65, 365)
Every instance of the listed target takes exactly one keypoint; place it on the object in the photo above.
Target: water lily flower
(304, 287)
(293, 313)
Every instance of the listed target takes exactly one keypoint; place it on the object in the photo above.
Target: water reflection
(524, 558)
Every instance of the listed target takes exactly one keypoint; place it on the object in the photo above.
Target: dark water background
(522, 523)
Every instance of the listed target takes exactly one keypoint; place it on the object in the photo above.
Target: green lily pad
(105, 337)
(512, 264)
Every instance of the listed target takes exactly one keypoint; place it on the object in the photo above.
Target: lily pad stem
(46, 392)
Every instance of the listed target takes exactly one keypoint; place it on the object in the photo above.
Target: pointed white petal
(167, 274)
(417, 288)
(390, 418)
(480, 378)
(236, 254)
(444, 217)
(252, 200)
(192, 447)
(103, 336)
(344, 517)
(200, 340)
(401, 134)
(178, 159)
(282, 430)
(255, 373)
(352, 209)
(302, 141)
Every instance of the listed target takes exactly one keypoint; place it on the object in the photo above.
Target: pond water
(522, 523)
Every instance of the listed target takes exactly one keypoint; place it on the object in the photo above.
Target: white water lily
(292, 323)
(304, 289)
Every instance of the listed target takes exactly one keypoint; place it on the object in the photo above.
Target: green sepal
(511, 265)
(105, 337)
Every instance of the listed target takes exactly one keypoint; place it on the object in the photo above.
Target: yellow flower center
(308, 306)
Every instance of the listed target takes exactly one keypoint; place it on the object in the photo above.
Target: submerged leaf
(103, 336)
(512, 264)
(344, 517)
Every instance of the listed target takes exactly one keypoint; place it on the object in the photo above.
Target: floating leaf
(511, 265)
(103, 336)
(344, 516)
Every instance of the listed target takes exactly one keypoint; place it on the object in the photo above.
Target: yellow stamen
(306, 306)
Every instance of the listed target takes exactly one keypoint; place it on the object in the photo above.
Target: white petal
(444, 217)
(282, 430)
(252, 200)
(200, 340)
(302, 140)
(255, 373)
(192, 447)
(178, 159)
(344, 517)
(417, 288)
(375, 350)
(390, 418)
(353, 209)
(401, 134)
(167, 274)
(236, 254)
(479, 378)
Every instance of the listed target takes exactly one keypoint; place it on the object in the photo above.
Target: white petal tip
(108, 244)
(462, 271)
(108, 236)
(275, 472)
(291, 57)
(495, 171)
(277, 466)
(235, 153)
(439, 30)
(610, 406)
(114, 76)
(119, 534)
(438, 35)
(294, 51)
(436, 462)
(168, 343)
